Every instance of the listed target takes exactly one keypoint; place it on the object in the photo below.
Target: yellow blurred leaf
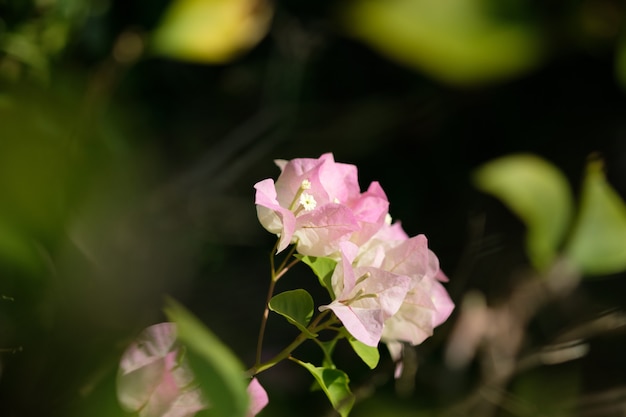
(456, 41)
(211, 31)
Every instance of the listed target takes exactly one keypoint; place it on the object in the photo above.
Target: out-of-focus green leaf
(546, 391)
(296, 306)
(538, 193)
(368, 354)
(334, 383)
(16, 248)
(457, 41)
(323, 268)
(598, 242)
(218, 371)
(211, 31)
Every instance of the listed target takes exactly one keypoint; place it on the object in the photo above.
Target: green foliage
(328, 347)
(296, 306)
(323, 269)
(369, 354)
(598, 241)
(538, 193)
(541, 392)
(16, 248)
(458, 41)
(217, 370)
(334, 383)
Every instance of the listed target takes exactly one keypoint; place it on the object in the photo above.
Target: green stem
(275, 276)
(266, 312)
(283, 268)
(314, 327)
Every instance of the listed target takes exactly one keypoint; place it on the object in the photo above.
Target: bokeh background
(131, 134)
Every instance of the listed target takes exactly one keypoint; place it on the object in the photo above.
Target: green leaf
(296, 306)
(597, 244)
(462, 42)
(369, 354)
(538, 193)
(328, 347)
(323, 268)
(16, 248)
(546, 391)
(334, 383)
(218, 372)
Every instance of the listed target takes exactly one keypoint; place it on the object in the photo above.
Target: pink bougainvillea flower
(296, 206)
(153, 380)
(427, 303)
(258, 398)
(317, 203)
(426, 306)
(371, 210)
(366, 296)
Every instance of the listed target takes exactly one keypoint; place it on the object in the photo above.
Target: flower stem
(275, 274)
(314, 327)
(266, 312)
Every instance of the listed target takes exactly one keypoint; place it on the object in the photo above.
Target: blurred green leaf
(296, 306)
(322, 268)
(369, 354)
(218, 371)
(211, 31)
(597, 244)
(457, 41)
(545, 392)
(334, 383)
(538, 193)
(16, 248)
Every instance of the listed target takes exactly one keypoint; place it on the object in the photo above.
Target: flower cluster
(386, 285)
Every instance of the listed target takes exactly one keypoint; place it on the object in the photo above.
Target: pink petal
(154, 343)
(443, 303)
(410, 257)
(272, 216)
(320, 232)
(339, 180)
(363, 317)
(366, 325)
(151, 380)
(396, 350)
(370, 210)
(258, 398)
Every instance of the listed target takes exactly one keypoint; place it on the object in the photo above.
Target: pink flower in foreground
(366, 296)
(317, 203)
(258, 398)
(153, 381)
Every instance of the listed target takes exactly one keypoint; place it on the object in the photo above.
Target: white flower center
(306, 185)
(308, 201)
(388, 219)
